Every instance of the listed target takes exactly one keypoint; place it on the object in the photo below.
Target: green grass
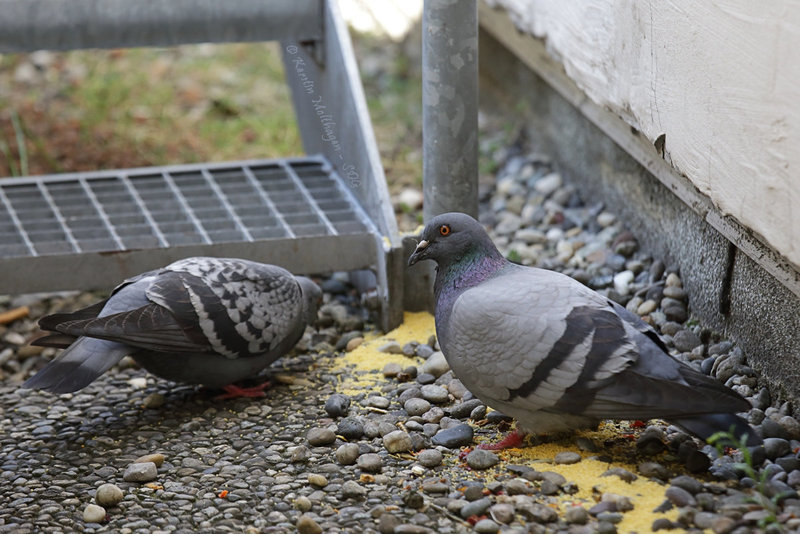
(90, 110)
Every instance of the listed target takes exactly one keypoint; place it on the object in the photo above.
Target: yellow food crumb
(645, 494)
(366, 361)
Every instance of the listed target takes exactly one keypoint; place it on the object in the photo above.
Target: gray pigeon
(554, 354)
(210, 321)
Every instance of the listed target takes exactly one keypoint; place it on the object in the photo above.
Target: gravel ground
(362, 432)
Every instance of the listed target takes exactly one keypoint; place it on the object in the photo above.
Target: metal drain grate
(175, 206)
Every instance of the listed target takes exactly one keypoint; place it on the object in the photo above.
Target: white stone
(94, 513)
(606, 219)
(622, 282)
(547, 185)
(139, 382)
(410, 197)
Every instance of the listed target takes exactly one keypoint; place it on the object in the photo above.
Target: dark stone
(350, 428)
(337, 405)
(688, 483)
(454, 437)
(425, 378)
(497, 417)
(463, 409)
(771, 429)
(662, 523)
(697, 462)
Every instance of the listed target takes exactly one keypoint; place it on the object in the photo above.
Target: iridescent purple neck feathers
(455, 278)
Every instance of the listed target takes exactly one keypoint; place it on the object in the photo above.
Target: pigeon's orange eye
(444, 229)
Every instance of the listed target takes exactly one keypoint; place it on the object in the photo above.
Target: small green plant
(513, 256)
(20, 168)
(723, 442)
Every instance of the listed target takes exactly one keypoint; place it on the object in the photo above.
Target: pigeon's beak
(418, 253)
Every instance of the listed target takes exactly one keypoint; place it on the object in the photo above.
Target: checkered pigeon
(200, 320)
(554, 354)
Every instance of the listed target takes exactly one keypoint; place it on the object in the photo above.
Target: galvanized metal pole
(450, 106)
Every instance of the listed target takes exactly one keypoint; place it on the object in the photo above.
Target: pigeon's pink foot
(235, 392)
(512, 440)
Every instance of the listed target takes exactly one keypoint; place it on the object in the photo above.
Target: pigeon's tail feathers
(78, 366)
(705, 426)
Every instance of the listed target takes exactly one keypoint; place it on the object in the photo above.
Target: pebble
(303, 503)
(353, 490)
(317, 480)
(567, 457)
(623, 474)
(791, 425)
(425, 378)
(94, 513)
(156, 458)
(503, 513)
(108, 495)
(662, 523)
(480, 459)
(153, 401)
(686, 340)
(687, 483)
(354, 343)
(478, 413)
(435, 365)
(350, 428)
(517, 486)
(486, 526)
(320, 436)
(463, 410)
(547, 185)
(347, 454)
(370, 462)
(679, 496)
(388, 524)
(476, 507)
(337, 405)
(416, 406)
(576, 515)
(454, 437)
(434, 394)
(622, 282)
(430, 458)
(299, 454)
(776, 447)
(392, 347)
(307, 525)
(653, 470)
(377, 401)
(140, 472)
(392, 369)
(397, 441)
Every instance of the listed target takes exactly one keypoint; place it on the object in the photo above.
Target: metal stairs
(329, 210)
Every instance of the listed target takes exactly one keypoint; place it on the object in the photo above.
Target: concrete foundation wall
(729, 291)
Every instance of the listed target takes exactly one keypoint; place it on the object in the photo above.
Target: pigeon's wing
(242, 308)
(51, 322)
(527, 335)
(658, 385)
(59, 341)
(150, 327)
